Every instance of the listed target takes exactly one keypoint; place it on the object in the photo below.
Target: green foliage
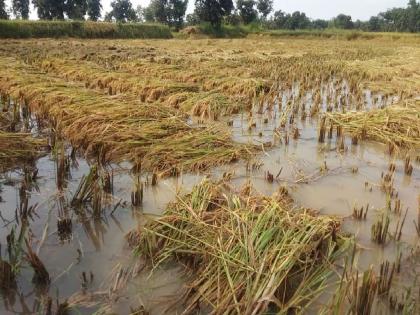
(50, 9)
(176, 12)
(222, 31)
(76, 9)
(342, 21)
(299, 20)
(158, 11)
(296, 20)
(193, 19)
(38, 29)
(246, 10)
(265, 7)
(170, 12)
(3, 12)
(319, 24)
(146, 13)
(213, 11)
(21, 8)
(122, 11)
(59, 9)
(94, 9)
(393, 20)
(398, 19)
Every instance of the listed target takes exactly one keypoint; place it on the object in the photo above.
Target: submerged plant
(379, 229)
(360, 213)
(385, 278)
(363, 293)
(137, 192)
(86, 189)
(41, 275)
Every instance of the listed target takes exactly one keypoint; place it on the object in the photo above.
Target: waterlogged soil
(319, 176)
(325, 177)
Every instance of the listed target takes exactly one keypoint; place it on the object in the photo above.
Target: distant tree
(192, 19)
(374, 24)
(394, 20)
(298, 20)
(20, 9)
(265, 7)
(148, 14)
(170, 12)
(213, 10)
(413, 16)
(158, 9)
(363, 25)
(3, 11)
(246, 10)
(76, 9)
(233, 19)
(397, 19)
(319, 24)
(343, 21)
(122, 11)
(176, 12)
(50, 9)
(140, 13)
(280, 19)
(94, 8)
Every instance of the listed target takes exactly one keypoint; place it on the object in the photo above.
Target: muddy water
(96, 245)
(352, 178)
(319, 176)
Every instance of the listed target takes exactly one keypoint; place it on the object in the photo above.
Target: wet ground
(320, 176)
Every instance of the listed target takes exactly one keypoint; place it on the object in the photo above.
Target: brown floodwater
(318, 176)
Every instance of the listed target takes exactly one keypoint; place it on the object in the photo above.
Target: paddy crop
(397, 126)
(247, 252)
(119, 128)
(16, 149)
(267, 155)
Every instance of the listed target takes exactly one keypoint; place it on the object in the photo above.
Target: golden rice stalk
(247, 253)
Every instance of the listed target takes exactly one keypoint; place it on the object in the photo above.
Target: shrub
(38, 29)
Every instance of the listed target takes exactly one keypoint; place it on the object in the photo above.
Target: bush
(55, 29)
(224, 31)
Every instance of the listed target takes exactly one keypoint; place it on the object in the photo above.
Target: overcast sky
(323, 9)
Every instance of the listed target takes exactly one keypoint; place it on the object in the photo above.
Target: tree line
(215, 12)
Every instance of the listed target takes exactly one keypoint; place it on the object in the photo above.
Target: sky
(322, 9)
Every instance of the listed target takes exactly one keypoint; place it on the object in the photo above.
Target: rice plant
(379, 229)
(241, 249)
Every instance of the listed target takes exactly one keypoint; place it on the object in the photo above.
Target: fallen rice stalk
(397, 126)
(120, 128)
(247, 252)
(18, 147)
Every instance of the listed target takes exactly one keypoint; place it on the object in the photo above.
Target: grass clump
(247, 253)
(79, 29)
(223, 31)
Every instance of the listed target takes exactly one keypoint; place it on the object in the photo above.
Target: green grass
(336, 33)
(79, 29)
(224, 31)
(240, 31)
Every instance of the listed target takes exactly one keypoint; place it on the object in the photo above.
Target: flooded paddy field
(249, 176)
